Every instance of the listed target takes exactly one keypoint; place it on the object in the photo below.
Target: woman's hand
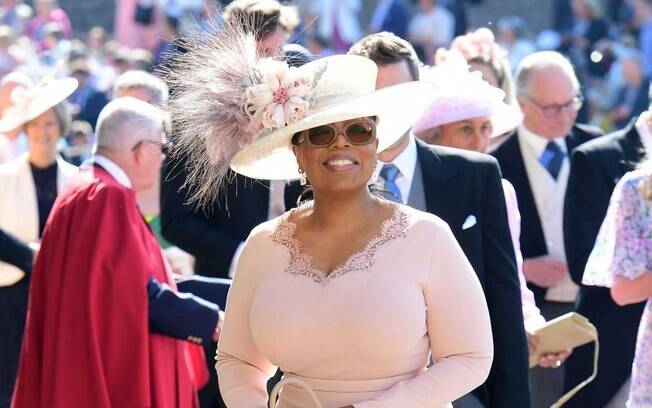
(554, 360)
(547, 360)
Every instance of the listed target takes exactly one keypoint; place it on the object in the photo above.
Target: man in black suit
(596, 168)
(464, 189)
(534, 158)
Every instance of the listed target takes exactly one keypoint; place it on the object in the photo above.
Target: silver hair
(142, 79)
(541, 60)
(126, 121)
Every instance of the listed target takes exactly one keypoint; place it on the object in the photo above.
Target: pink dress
(532, 317)
(624, 248)
(131, 34)
(363, 334)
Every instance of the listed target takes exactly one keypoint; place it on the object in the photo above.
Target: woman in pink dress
(465, 112)
(350, 294)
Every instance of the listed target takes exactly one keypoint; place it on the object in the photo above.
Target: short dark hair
(261, 17)
(386, 48)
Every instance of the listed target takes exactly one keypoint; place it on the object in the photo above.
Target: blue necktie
(389, 173)
(552, 158)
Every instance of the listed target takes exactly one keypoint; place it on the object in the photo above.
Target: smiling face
(43, 134)
(340, 166)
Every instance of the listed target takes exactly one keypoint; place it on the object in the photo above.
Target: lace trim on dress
(302, 263)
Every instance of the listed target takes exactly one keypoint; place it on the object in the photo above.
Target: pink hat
(461, 94)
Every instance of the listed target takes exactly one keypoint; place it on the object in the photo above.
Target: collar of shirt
(644, 132)
(406, 163)
(537, 144)
(113, 169)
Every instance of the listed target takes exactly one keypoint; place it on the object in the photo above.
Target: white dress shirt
(549, 198)
(406, 162)
(644, 132)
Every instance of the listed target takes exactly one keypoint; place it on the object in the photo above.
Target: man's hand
(544, 271)
(218, 328)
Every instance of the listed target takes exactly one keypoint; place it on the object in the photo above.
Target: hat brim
(44, 97)
(505, 118)
(396, 108)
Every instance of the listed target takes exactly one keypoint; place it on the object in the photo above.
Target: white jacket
(19, 208)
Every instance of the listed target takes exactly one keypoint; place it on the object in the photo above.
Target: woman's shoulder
(13, 167)
(421, 222)
(636, 181)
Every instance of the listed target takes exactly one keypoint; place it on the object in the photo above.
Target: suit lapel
(434, 173)
(437, 174)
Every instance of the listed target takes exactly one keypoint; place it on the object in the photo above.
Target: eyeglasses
(165, 147)
(360, 132)
(555, 109)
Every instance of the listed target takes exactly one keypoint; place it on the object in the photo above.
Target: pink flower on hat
(281, 97)
(480, 43)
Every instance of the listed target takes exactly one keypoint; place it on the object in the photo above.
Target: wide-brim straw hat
(28, 104)
(345, 89)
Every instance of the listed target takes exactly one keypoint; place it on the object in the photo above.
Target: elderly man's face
(148, 156)
(548, 105)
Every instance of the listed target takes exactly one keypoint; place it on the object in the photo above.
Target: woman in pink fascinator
(467, 112)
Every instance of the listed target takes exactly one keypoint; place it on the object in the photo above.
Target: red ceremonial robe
(87, 342)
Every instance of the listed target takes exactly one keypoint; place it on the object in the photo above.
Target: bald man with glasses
(535, 159)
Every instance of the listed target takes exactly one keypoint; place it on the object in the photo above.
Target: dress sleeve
(242, 369)
(532, 317)
(623, 245)
(459, 330)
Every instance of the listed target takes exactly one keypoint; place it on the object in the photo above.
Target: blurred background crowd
(111, 48)
(608, 41)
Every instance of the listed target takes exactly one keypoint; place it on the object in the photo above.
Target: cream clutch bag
(567, 332)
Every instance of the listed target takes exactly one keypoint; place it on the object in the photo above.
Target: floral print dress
(624, 248)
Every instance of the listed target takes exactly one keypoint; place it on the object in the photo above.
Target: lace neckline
(303, 264)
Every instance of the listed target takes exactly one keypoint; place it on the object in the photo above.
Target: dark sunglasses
(165, 147)
(360, 132)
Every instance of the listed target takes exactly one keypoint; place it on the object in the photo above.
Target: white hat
(234, 109)
(346, 89)
(461, 95)
(28, 104)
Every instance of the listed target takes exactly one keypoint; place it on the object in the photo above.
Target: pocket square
(469, 222)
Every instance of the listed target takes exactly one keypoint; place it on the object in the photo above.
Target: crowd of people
(222, 200)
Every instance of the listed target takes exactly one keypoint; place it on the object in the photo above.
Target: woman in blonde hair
(622, 259)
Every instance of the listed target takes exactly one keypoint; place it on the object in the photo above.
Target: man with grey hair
(141, 85)
(596, 167)
(105, 318)
(535, 159)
